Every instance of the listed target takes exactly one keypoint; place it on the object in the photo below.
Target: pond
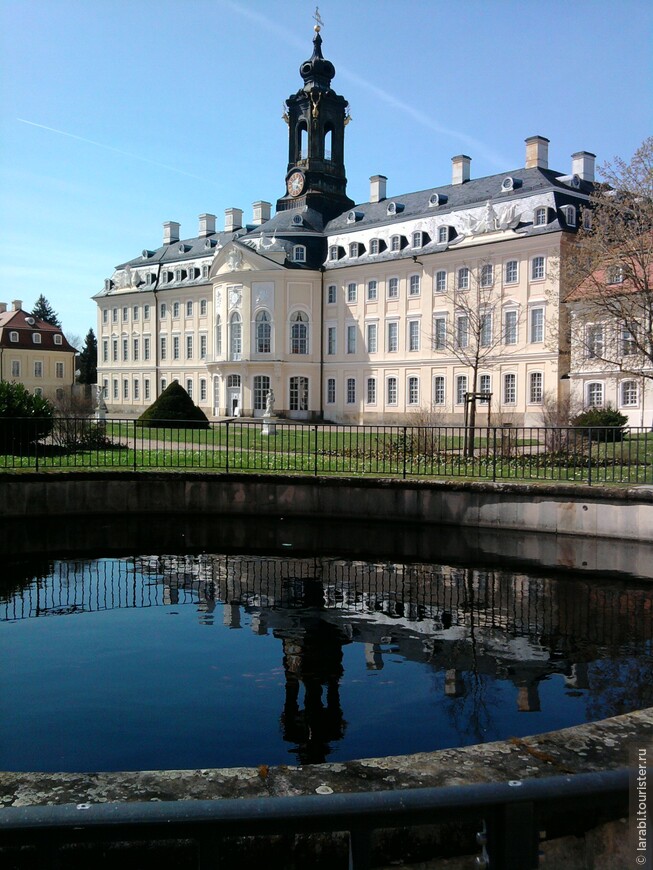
(188, 656)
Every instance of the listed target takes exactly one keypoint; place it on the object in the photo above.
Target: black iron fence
(503, 824)
(589, 455)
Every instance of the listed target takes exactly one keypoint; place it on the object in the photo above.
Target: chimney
(377, 188)
(233, 219)
(207, 225)
(460, 169)
(582, 165)
(170, 232)
(17, 304)
(261, 212)
(537, 152)
(3, 307)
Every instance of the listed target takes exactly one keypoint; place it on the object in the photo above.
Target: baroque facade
(387, 310)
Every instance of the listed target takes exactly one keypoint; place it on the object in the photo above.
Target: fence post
(134, 440)
(36, 452)
(589, 459)
(315, 452)
(404, 472)
(494, 455)
(227, 452)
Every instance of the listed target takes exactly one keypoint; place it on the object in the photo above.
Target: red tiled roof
(19, 321)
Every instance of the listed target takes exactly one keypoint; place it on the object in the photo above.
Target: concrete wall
(617, 513)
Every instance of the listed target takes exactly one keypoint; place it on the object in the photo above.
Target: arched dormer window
(540, 217)
(395, 243)
(263, 332)
(333, 252)
(299, 333)
(235, 337)
(299, 254)
(570, 215)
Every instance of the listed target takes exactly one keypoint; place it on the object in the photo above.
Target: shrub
(174, 408)
(606, 424)
(24, 417)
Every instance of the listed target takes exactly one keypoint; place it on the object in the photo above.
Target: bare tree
(609, 271)
(475, 334)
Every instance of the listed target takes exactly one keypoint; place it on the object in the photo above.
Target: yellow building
(35, 353)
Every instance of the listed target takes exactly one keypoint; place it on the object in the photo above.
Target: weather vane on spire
(318, 20)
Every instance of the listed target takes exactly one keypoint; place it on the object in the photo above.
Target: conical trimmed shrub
(174, 408)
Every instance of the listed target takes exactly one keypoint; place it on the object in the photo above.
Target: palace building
(394, 309)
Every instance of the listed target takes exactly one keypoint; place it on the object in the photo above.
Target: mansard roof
(25, 325)
(184, 249)
(473, 193)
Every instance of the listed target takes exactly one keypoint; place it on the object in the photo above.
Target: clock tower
(316, 118)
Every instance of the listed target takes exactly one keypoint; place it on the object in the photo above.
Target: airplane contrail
(111, 148)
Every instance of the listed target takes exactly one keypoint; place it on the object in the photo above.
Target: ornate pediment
(490, 220)
(237, 257)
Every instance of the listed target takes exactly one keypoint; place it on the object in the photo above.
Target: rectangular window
(125, 313)
(371, 391)
(509, 389)
(146, 312)
(351, 391)
(629, 396)
(189, 347)
(537, 325)
(372, 290)
(439, 332)
(463, 278)
(413, 391)
(105, 315)
(393, 288)
(105, 351)
(146, 388)
(163, 310)
(595, 395)
(15, 368)
(438, 390)
(413, 335)
(175, 347)
(371, 334)
(487, 275)
(135, 349)
(189, 309)
(512, 272)
(146, 348)
(189, 387)
(395, 243)
(114, 350)
(351, 292)
(203, 393)
(115, 389)
(125, 349)
(125, 388)
(203, 307)
(105, 388)
(351, 339)
(440, 281)
(594, 342)
(164, 347)
(135, 312)
(331, 391)
(175, 309)
(164, 384)
(393, 337)
(628, 345)
(331, 294)
(203, 346)
(414, 286)
(391, 389)
(485, 386)
(331, 340)
(537, 268)
(461, 389)
(485, 336)
(510, 327)
(58, 370)
(114, 318)
(137, 389)
(462, 331)
(535, 388)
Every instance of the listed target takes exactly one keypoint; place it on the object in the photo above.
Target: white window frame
(332, 294)
(462, 278)
(487, 275)
(370, 391)
(512, 272)
(540, 216)
(439, 332)
(372, 337)
(440, 281)
(509, 385)
(299, 254)
(392, 336)
(412, 391)
(461, 389)
(592, 388)
(372, 290)
(536, 324)
(413, 336)
(331, 340)
(510, 331)
(352, 292)
(629, 393)
(414, 285)
(351, 338)
(439, 390)
(350, 391)
(330, 391)
(535, 388)
(538, 268)
(391, 391)
(393, 287)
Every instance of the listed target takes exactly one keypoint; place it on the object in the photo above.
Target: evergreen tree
(87, 360)
(44, 311)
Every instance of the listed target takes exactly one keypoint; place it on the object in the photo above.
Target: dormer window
(333, 252)
(443, 235)
(354, 249)
(570, 215)
(374, 246)
(354, 216)
(540, 217)
(510, 183)
(299, 254)
(395, 243)
(57, 339)
(36, 338)
(394, 208)
(297, 220)
(436, 199)
(614, 275)
(13, 336)
(417, 239)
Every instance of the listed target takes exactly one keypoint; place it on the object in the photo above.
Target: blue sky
(118, 115)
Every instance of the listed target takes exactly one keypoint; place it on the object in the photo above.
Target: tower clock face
(295, 183)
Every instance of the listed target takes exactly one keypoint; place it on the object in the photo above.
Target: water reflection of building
(468, 625)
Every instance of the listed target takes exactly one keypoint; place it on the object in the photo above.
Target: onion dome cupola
(316, 118)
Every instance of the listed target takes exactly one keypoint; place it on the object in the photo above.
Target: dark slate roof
(17, 321)
(459, 196)
(184, 249)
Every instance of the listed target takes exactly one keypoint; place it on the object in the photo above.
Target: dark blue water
(198, 661)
